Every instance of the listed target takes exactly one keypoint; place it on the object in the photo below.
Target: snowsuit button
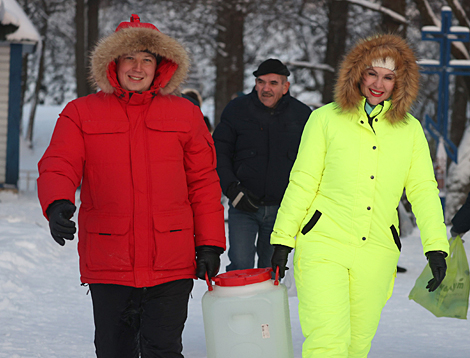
(374, 147)
(368, 208)
(363, 239)
(372, 177)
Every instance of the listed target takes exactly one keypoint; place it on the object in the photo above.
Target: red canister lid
(243, 277)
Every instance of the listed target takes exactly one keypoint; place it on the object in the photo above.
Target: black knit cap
(271, 66)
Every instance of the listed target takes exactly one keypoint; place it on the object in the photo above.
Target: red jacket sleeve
(61, 166)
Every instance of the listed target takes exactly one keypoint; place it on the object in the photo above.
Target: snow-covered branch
(459, 12)
(377, 7)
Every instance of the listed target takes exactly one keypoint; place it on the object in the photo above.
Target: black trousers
(140, 322)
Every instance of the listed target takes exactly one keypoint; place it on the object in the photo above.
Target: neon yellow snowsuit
(340, 213)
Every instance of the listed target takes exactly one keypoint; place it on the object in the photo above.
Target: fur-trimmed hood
(347, 91)
(169, 74)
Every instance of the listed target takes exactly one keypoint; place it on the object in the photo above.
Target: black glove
(59, 214)
(279, 259)
(454, 233)
(242, 198)
(437, 263)
(207, 260)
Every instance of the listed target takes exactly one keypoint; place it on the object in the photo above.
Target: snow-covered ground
(44, 312)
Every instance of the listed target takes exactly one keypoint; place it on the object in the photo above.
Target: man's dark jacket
(461, 220)
(256, 145)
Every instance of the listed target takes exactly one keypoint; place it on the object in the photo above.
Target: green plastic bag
(450, 299)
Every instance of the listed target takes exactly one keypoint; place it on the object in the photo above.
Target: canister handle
(209, 284)
(276, 279)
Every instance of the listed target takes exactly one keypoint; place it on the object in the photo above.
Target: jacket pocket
(167, 138)
(108, 243)
(106, 142)
(311, 223)
(244, 154)
(396, 238)
(174, 240)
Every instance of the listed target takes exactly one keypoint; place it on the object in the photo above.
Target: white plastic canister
(246, 315)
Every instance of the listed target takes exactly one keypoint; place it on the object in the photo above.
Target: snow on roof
(12, 14)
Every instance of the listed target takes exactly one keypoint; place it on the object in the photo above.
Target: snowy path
(44, 312)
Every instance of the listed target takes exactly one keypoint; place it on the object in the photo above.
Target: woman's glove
(279, 259)
(437, 263)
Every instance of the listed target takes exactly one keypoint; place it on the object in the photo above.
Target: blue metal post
(14, 103)
(444, 35)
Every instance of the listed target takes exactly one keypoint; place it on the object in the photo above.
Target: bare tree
(80, 54)
(336, 42)
(87, 33)
(391, 24)
(35, 98)
(92, 34)
(229, 56)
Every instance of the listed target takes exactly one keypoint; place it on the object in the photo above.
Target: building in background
(18, 36)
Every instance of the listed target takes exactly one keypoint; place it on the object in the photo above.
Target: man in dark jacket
(256, 143)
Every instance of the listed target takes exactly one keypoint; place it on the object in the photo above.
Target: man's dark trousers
(148, 321)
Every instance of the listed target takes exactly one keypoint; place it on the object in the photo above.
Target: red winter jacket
(149, 189)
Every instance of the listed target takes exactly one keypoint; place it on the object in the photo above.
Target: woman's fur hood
(347, 91)
(170, 73)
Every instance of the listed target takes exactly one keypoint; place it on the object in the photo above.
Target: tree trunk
(24, 71)
(229, 57)
(336, 42)
(37, 88)
(24, 81)
(92, 38)
(390, 25)
(80, 53)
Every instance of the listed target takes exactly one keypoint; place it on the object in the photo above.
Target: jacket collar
(381, 108)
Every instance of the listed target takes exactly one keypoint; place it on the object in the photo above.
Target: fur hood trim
(136, 39)
(347, 91)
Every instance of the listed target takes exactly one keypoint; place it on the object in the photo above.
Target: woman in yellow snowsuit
(339, 211)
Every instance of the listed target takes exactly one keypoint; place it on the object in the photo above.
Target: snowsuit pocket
(311, 223)
(396, 238)
(108, 243)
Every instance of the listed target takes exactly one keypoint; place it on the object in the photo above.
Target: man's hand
(279, 259)
(242, 198)
(437, 263)
(207, 260)
(59, 214)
